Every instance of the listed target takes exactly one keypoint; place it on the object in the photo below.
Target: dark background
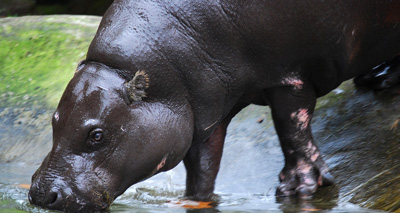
(47, 7)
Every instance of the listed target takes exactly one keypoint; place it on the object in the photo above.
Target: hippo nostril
(51, 198)
(30, 197)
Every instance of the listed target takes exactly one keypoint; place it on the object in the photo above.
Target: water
(162, 192)
(249, 170)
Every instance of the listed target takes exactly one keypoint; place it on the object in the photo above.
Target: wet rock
(360, 140)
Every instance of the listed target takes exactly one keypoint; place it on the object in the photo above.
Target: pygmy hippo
(162, 80)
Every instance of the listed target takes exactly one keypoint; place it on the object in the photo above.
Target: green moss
(38, 58)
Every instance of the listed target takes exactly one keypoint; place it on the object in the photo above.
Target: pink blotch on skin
(320, 183)
(161, 164)
(302, 117)
(57, 116)
(296, 83)
(309, 145)
(309, 181)
(312, 149)
(314, 157)
(303, 167)
(282, 176)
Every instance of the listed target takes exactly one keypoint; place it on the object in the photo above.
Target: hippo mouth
(53, 201)
(63, 199)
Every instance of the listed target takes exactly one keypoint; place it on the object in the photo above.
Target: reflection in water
(325, 199)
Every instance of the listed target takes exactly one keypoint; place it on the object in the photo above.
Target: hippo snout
(61, 197)
(52, 199)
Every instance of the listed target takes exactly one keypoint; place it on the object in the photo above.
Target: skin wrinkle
(202, 51)
(208, 58)
(187, 30)
(182, 20)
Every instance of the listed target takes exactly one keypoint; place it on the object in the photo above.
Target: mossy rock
(38, 56)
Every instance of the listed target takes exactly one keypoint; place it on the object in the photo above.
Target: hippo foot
(303, 179)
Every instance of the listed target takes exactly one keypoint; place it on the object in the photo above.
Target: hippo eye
(96, 137)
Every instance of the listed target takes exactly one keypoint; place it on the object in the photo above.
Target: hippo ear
(80, 66)
(136, 87)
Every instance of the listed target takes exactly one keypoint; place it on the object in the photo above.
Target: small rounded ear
(136, 87)
(80, 66)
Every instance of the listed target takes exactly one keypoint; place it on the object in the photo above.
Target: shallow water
(246, 182)
(162, 192)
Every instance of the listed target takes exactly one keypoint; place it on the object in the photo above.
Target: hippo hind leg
(381, 77)
(305, 170)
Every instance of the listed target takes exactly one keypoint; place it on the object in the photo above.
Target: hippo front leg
(292, 108)
(203, 160)
(202, 165)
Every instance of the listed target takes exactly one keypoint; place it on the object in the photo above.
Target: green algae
(38, 56)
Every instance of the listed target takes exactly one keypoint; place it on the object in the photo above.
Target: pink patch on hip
(295, 82)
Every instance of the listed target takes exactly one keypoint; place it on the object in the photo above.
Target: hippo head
(109, 132)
